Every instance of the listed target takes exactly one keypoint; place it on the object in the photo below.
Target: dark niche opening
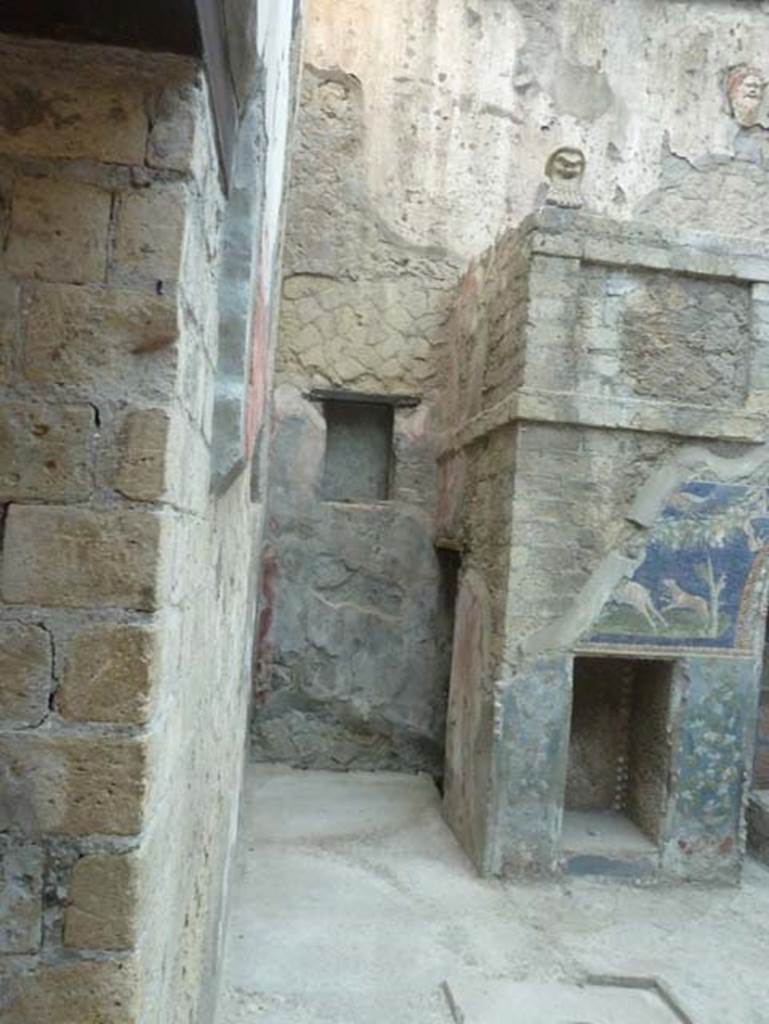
(619, 754)
(359, 440)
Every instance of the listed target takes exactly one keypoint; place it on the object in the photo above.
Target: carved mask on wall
(745, 88)
(565, 170)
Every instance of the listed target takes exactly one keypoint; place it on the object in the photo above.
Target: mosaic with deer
(701, 580)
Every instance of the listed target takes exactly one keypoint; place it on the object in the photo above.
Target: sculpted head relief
(745, 87)
(564, 171)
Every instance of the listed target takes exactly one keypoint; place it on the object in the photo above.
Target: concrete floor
(352, 903)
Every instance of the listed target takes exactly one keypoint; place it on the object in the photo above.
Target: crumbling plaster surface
(465, 100)
(424, 130)
(354, 630)
(553, 477)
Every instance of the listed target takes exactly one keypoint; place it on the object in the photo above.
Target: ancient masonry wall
(125, 610)
(593, 421)
(355, 622)
(423, 135)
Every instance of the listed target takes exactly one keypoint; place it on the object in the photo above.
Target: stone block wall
(125, 604)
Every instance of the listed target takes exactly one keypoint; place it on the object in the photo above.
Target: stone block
(59, 230)
(25, 673)
(9, 307)
(173, 131)
(72, 786)
(140, 471)
(149, 235)
(100, 340)
(45, 452)
(85, 992)
(70, 116)
(108, 675)
(78, 558)
(21, 898)
(102, 903)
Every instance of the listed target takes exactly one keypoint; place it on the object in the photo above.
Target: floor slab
(352, 903)
(476, 1001)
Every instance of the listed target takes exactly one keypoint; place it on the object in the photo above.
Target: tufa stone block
(101, 913)
(45, 452)
(149, 235)
(59, 230)
(86, 992)
(78, 558)
(176, 112)
(68, 115)
(100, 340)
(108, 675)
(140, 472)
(9, 307)
(72, 786)
(25, 673)
(21, 898)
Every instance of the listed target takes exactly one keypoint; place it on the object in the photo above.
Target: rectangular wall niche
(619, 755)
(359, 437)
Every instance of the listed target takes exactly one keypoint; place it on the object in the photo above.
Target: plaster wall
(423, 133)
(465, 100)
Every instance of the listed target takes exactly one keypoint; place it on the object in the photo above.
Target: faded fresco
(701, 581)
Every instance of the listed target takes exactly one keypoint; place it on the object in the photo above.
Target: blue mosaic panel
(701, 577)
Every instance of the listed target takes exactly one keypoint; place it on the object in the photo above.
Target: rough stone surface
(79, 558)
(46, 452)
(72, 786)
(126, 587)
(59, 230)
(25, 673)
(149, 235)
(99, 341)
(102, 903)
(9, 305)
(103, 992)
(66, 113)
(21, 898)
(108, 673)
(140, 473)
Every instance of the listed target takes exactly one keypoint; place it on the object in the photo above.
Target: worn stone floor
(352, 904)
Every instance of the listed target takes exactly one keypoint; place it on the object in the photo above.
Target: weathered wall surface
(424, 132)
(465, 100)
(355, 628)
(355, 621)
(552, 485)
(126, 600)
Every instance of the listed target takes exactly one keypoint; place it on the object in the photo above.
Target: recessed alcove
(359, 438)
(619, 754)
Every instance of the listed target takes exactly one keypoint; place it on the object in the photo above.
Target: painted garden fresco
(702, 576)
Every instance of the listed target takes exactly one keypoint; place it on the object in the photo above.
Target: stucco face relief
(745, 88)
(564, 171)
